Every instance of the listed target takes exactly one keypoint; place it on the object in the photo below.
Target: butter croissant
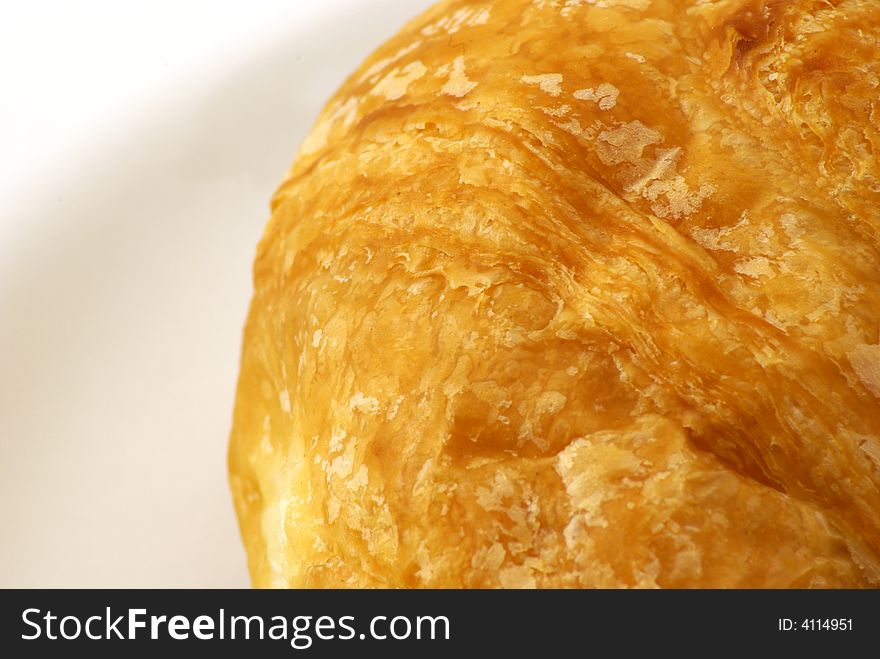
(576, 293)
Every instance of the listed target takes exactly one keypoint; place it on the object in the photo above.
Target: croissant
(576, 293)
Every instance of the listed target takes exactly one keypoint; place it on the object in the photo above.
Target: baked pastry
(576, 293)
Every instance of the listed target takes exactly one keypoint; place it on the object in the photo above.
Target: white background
(140, 143)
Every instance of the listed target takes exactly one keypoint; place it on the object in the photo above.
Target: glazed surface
(573, 293)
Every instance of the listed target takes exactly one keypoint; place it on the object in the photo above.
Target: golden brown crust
(576, 293)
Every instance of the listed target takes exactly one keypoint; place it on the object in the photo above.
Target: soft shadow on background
(120, 324)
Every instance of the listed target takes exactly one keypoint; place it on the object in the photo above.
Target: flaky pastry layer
(576, 293)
